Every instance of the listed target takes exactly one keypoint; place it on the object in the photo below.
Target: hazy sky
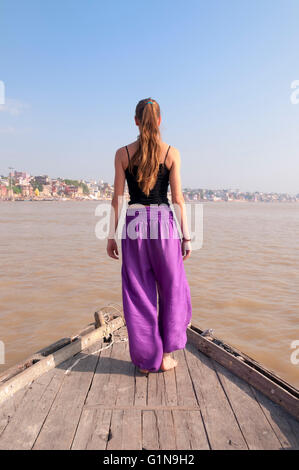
(221, 70)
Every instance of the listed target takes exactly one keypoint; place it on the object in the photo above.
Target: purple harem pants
(153, 268)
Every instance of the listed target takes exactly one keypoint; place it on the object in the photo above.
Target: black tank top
(157, 195)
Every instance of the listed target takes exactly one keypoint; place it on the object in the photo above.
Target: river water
(244, 280)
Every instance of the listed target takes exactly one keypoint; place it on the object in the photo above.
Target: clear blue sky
(221, 70)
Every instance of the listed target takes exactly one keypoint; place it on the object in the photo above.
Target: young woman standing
(152, 255)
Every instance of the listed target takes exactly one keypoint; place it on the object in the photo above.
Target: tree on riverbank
(36, 184)
(77, 184)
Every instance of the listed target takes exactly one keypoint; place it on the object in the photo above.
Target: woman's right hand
(112, 249)
(186, 249)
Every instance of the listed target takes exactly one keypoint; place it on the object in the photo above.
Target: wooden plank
(126, 387)
(108, 374)
(21, 434)
(150, 435)
(255, 427)
(116, 426)
(141, 384)
(60, 425)
(93, 430)
(54, 346)
(131, 433)
(171, 395)
(9, 407)
(189, 430)
(14, 384)
(219, 420)
(142, 407)
(25, 424)
(266, 381)
(156, 389)
(285, 426)
(125, 430)
(166, 431)
(100, 384)
(16, 369)
(185, 391)
(116, 363)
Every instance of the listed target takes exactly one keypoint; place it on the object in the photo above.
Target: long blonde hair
(148, 153)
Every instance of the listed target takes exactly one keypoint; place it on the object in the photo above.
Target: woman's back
(164, 148)
(158, 193)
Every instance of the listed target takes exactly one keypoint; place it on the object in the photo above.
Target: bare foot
(144, 371)
(168, 362)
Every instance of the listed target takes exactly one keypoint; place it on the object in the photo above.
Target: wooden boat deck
(104, 402)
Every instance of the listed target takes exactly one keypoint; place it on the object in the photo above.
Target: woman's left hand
(186, 249)
(112, 249)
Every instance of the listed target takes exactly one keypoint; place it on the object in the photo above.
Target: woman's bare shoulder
(174, 151)
(121, 156)
(173, 156)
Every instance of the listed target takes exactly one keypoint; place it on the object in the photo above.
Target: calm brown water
(244, 280)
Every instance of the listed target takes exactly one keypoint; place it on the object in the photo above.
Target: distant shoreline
(109, 200)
